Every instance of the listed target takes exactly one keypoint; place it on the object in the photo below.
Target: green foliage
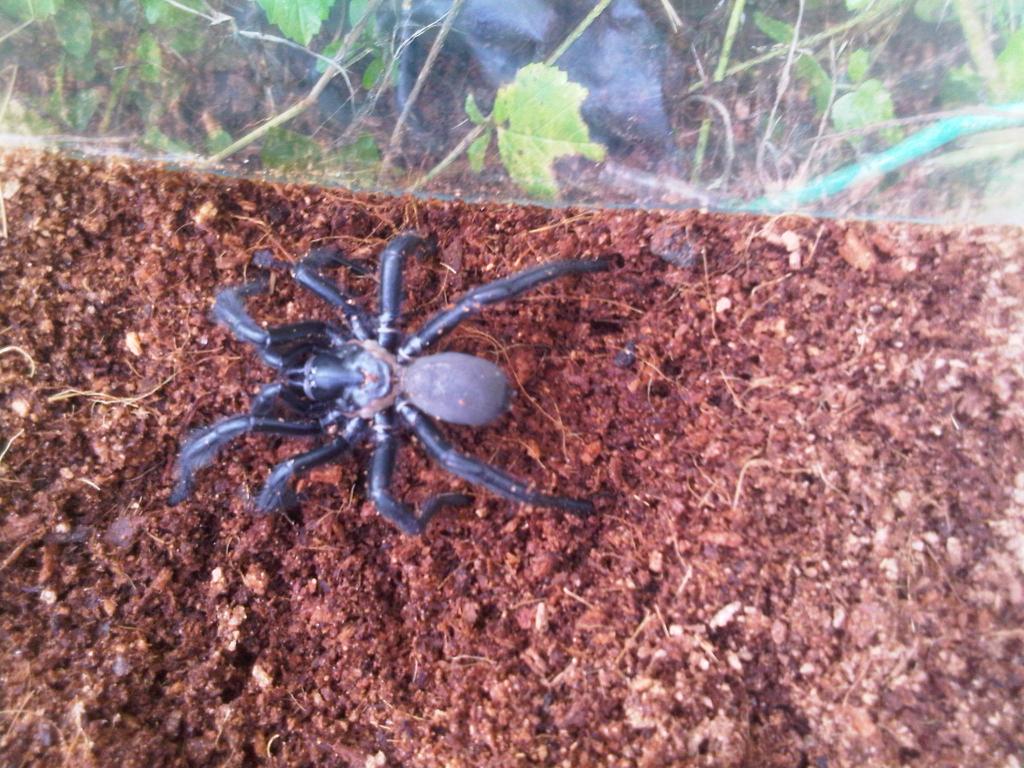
(961, 86)
(218, 140)
(537, 117)
(858, 66)
(74, 29)
(287, 150)
(477, 152)
(356, 11)
(933, 11)
(149, 58)
(473, 111)
(163, 14)
(373, 70)
(1011, 66)
(779, 31)
(868, 104)
(156, 139)
(298, 20)
(30, 10)
(359, 162)
(807, 68)
(82, 106)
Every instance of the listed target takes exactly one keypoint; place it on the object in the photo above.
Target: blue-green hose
(921, 143)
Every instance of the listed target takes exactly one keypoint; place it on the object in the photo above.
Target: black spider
(338, 380)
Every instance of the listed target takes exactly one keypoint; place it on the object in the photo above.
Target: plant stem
(309, 99)
(580, 28)
(421, 79)
(808, 42)
(977, 42)
(723, 62)
(461, 147)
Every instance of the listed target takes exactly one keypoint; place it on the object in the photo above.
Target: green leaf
(284, 149)
(74, 30)
(477, 151)
(328, 52)
(363, 152)
(356, 11)
(933, 11)
(217, 140)
(807, 67)
(298, 20)
(779, 31)
(356, 164)
(1011, 66)
(857, 5)
(860, 62)
(162, 13)
(160, 141)
(473, 111)
(809, 70)
(373, 71)
(82, 106)
(962, 85)
(30, 10)
(538, 121)
(870, 103)
(149, 57)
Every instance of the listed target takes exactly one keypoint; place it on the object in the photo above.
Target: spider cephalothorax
(339, 381)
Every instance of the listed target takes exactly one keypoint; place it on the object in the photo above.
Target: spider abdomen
(457, 388)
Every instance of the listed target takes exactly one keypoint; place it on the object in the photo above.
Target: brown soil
(810, 546)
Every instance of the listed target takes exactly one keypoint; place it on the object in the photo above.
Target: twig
(448, 159)
(977, 43)
(219, 18)
(383, 82)
(673, 18)
(3, 112)
(22, 545)
(9, 443)
(309, 99)
(421, 79)
(723, 61)
(24, 354)
(783, 85)
(730, 150)
(577, 32)
(104, 398)
(16, 30)
(876, 11)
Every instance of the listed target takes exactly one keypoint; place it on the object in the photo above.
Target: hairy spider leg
(277, 493)
(392, 261)
(479, 472)
(444, 322)
(382, 468)
(202, 447)
(307, 274)
(229, 309)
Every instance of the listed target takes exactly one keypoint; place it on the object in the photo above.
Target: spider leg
(441, 324)
(269, 394)
(382, 467)
(392, 260)
(201, 448)
(307, 274)
(479, 472)
(229, 309)
(276, 493)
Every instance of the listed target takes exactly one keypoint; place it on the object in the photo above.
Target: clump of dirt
(804, 439)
